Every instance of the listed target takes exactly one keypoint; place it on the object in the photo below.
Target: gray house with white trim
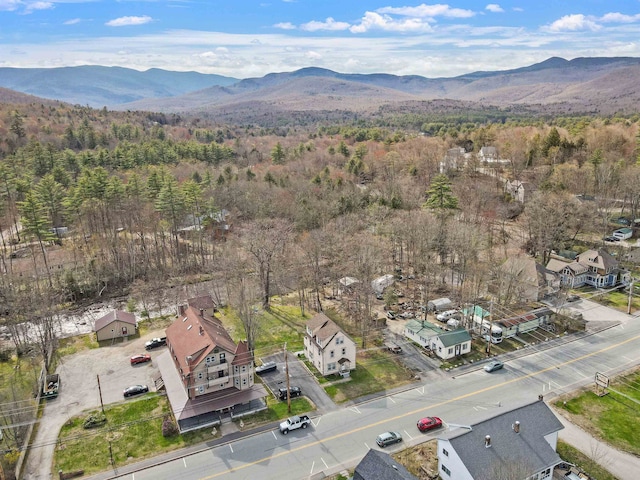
(520, 443)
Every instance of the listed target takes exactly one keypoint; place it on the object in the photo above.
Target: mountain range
(596, 85)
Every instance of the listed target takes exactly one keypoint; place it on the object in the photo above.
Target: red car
(140, 358)
(429, 423)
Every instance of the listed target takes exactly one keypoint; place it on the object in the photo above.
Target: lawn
(376, 372)
(619, 300)
(134, 432)
(614, 417)
(281, 324)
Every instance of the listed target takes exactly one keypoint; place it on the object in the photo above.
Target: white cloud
(126, 21)
(494, 7)
(34, 6)
(9, 5)
(285, 26)
(329, 24)
(428, 11)
(72, 21)
(375, 21)
(573, 23)
(616, 17)
(311, 55)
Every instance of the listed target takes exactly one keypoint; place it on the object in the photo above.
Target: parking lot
(79, 377)
(299, 376)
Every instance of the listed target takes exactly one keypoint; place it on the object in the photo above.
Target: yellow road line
(413, 412)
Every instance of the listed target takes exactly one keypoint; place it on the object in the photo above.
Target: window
(244, 368)
(331, 354)
(339, 340)
(244, 381)
(199, 375)
(450, 351)
(344, 351)
(445, 452)
(221, 374)
(331, 366)
(208, 360)
(200, 389)
(222, 358)
(446, 470)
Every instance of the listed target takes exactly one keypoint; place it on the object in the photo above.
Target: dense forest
(95, 203)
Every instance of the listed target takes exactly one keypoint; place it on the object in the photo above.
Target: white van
(453, 323)
(447, 315)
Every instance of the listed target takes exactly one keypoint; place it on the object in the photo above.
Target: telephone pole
(286, 372)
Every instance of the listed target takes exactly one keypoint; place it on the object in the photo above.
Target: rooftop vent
(487, 441)
(516, 427)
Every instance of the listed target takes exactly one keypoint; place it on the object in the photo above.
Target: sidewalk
(623, 466)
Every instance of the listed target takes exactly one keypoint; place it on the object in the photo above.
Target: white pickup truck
(294, 422)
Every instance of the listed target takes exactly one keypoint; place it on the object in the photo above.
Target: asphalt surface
(79, 392)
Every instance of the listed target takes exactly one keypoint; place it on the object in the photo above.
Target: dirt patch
(421, 460)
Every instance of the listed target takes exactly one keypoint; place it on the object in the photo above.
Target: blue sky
(246, 38)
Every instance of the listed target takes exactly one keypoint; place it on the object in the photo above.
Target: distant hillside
(555, 86)
(99, 86)
(16, 98)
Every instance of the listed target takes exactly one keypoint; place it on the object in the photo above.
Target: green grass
(282, 324)
(71, 345)
(134, 432)
(618, 300)
(576, 457)
(614, 417)
(375, 372)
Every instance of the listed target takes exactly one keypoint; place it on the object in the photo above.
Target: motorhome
(496, 332)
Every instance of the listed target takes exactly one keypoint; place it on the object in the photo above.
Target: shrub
(5, 354)
(169, 427)
(94, 420)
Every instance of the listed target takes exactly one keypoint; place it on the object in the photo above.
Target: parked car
(493, 365)
(266, 368)
(135, 390)
(392, 347)
(573, 298)
(447, 315)
(429, 423)
(611, 238)
(623, 221)
(407, 315)
(391, 315)
(388, 438)
(140, 358)
(293, 391)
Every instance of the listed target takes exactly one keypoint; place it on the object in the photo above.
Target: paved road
(339, 439)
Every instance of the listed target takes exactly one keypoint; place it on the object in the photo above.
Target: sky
(247, 38)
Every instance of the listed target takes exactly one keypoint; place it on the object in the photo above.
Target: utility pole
(286, 372)
(630, 297)
(100, 392)
(490, 327)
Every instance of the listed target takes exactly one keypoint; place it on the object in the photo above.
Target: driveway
(79, 391)
(299, 376)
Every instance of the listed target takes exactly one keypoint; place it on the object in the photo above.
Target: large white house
(518, 444)
(327, 347)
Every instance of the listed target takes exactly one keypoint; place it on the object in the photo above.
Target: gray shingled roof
(377, 465)
(507, 447)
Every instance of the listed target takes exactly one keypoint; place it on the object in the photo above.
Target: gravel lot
(79, 391)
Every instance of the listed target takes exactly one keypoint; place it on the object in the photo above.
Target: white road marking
(313, 464)
(391, 398)
(274, 434)
(354, 409)
(184, 460)
(231, 448)
(316, 424)
(367, 446)
(408, 435)
(325, 463)
(420, 390)
(479, 408)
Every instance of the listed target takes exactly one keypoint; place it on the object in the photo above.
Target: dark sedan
(135, 390)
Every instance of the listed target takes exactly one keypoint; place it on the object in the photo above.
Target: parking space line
(408, 435)
(184, 460)
(420, 390)
(391, 398)
(317, 423)
(478, 407)
(231, 448)
(273, 432)
(354, 409)
(313, 464)
(325, 463)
